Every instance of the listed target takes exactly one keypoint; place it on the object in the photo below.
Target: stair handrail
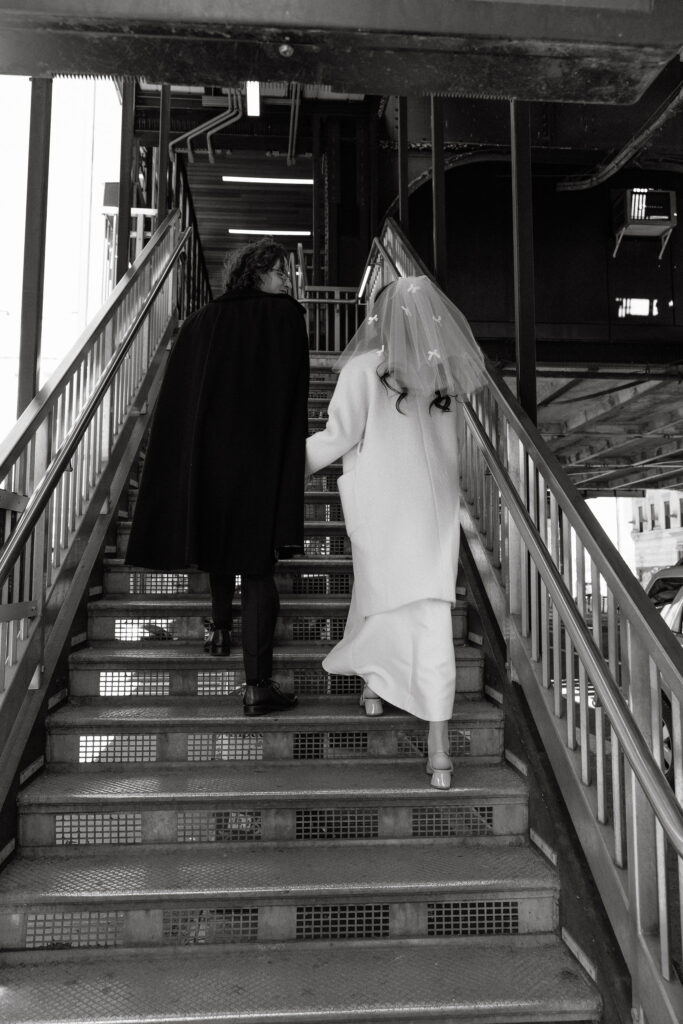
(39, 406)
(45, 487)
(533, 557)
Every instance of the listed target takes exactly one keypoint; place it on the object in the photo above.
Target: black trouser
(260, 607)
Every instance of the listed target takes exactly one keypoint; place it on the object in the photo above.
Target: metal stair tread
(199, 604)
(107, 652)
(179, 712)
(281, 872)
(308, 562)
(448, 980)
(279, 782)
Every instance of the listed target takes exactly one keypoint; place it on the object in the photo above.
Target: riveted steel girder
(604, 51)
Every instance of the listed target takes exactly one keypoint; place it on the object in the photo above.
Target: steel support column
(403, 216)
(316, 199)
(164, 132)
(523, 245)
(125, 177)
(34, 241)
(440, 260)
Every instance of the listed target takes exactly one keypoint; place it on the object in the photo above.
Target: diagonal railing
(62, 469)
(605, 689)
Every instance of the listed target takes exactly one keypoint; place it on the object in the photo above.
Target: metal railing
(61, 469)
(332, 313)
(606, 690)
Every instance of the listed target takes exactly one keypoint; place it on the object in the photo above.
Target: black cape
(223, 481)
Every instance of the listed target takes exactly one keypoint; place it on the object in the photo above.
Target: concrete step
(275, 894)
(325, 576)
(468, 981)
(165, 618)
(321, 539)
(155, 670)
(264, 801)
(186, 730)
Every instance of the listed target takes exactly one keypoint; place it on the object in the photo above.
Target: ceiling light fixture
(253, 99)
(265, 231)
(267, 181)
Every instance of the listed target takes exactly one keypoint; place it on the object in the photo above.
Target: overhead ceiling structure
(584, 51)
(604, 77)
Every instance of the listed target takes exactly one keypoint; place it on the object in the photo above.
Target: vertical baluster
(524, 568)
(557, 625)
(584, 714)
(618, 789)
(56, 535)
(534, 578)
(660, 838)
(568, 574)
(677, 756)
(546, 671)
(515, 550)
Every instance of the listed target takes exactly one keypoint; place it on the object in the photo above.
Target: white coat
(399, 489)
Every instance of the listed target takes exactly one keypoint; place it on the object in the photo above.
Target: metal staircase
(179, 862)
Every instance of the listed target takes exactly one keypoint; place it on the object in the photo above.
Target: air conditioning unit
(643, 213)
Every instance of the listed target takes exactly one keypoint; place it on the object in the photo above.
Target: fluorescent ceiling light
(264, 231)
(267, 181)
(253, 99)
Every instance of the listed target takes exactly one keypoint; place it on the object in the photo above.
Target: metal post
(317, 226)
(438, 193)
(125, 177)
(523, 245)
(403, 215)
(34, 241)
(164, 132)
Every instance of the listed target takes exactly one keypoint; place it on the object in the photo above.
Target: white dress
(400, 494)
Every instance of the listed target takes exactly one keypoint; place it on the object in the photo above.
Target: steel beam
(403, 212)
(34, 241)
(164, 132)
(523, 246)
(440, 250)
(125, 177)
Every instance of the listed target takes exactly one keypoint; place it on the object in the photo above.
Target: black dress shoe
(219, 642)
(267, 696)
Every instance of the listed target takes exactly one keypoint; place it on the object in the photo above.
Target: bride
(394, 419)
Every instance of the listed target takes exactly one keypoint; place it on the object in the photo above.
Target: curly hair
(245, 266)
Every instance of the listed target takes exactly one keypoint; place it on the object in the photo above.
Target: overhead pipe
(226, 117)
(631, 149)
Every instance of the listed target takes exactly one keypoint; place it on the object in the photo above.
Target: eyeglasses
(283, 274)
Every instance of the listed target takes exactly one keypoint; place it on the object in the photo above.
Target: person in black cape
(222, 487)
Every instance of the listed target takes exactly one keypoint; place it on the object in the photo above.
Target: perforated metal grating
(135, 684)
(71, 930)
(314, 681)
(473, 917)
(120, 828)
(326, 483)
(201, 925)
(311, 630)
(326, 547)
(131, 630)
(323, 512)
(311, 746)
(218, 826)
(437, 822)
(116, 749)
(226, 746)
(338, 823)
(323, 583)
(411, 743)
(355, 921)
(161, 583)
(221, 683)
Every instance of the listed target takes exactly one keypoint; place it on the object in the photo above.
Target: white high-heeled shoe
(440, 767)
(371, 702)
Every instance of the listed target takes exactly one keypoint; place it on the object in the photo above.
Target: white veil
(423, 342)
